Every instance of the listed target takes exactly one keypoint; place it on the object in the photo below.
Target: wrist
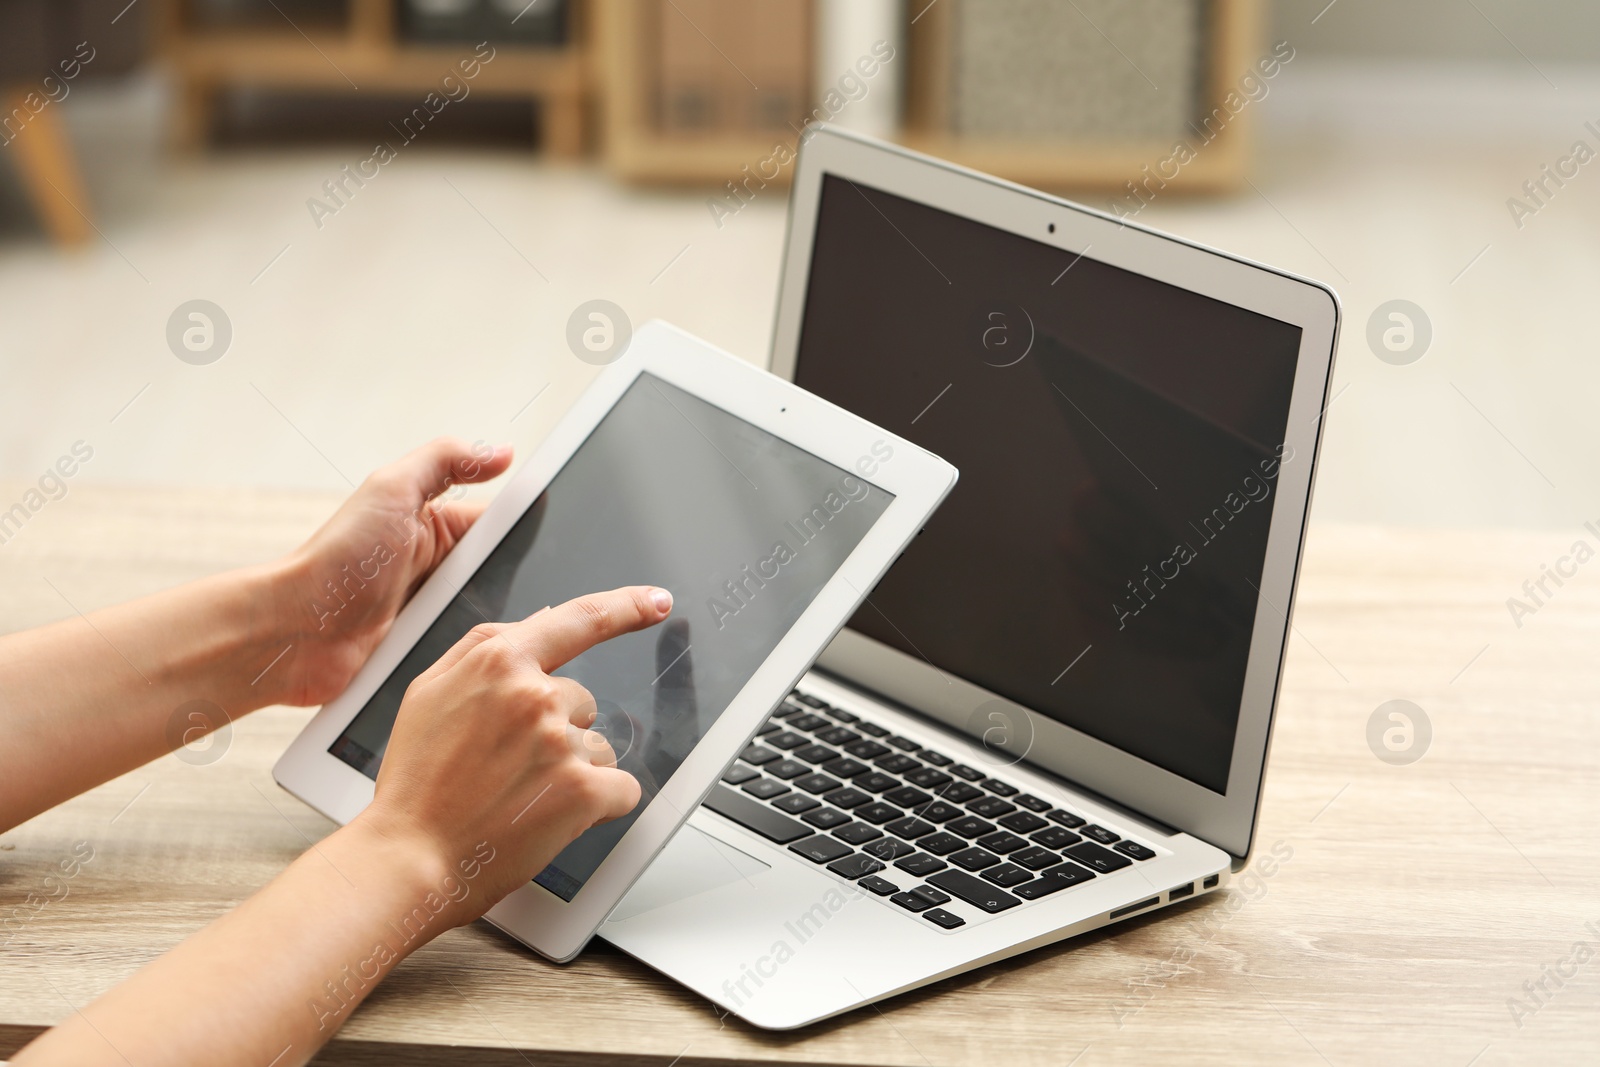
(433, 890)
(285, 585)
(276, 627)
(321, 658)
(224, 639)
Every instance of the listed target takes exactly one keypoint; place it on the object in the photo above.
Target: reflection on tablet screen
(744, 529)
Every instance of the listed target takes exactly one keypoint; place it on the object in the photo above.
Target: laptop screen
(1119, 441)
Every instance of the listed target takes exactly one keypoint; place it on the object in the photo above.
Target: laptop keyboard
(908, 824)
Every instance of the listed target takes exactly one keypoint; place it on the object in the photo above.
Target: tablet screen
(741, 526)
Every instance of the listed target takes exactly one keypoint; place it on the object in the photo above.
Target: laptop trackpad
(693, 862)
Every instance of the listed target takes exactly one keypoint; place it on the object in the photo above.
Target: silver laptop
(1054, 711)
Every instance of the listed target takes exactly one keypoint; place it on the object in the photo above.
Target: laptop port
(1180, 892)
(1211, 882)
(1131, 908)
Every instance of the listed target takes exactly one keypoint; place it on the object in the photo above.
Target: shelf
(1233, 35)
(1219, 167)
(634, 147)
(368, 53)
(280, 60)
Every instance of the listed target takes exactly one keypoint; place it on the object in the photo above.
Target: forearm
(92, 697)
(271, 981)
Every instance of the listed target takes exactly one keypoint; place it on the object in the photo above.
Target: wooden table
(1417, 901)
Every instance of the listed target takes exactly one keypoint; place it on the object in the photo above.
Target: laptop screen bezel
(1226, 820)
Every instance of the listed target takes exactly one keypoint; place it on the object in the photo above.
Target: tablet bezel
(1227, 820)
(919, 481)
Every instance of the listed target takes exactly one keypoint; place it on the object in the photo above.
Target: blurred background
(395, 205)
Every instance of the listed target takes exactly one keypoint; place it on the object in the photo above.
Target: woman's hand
(88, 699)
(489, 773)
(336, 597)
(491, 770)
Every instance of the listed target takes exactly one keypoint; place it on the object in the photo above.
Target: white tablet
(769, 513)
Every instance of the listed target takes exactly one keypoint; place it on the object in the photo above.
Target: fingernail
(662, 600)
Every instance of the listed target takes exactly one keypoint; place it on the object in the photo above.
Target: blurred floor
(436, 301)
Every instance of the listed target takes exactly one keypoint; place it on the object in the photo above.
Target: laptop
(1053, 712)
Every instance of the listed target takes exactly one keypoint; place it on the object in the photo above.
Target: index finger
(558, 634)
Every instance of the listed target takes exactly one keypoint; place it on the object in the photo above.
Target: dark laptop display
(1119, 441)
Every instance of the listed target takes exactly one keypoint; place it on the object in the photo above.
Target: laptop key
(927, 777)
(999, 788)
(839, 735)
(938, 759)
(1002, 841)
(738, 774)
(795, 803)
(970, 826)
(899, 763)
(971, 774)
(1055, 837)
(904, 744)
(1066, 818)
(765, 788)
(858, 833)
(1023, 822)
(769, 727)
(930, 894)
(815, 754)
(881, 886)
(1134, 849)
(991, 807)
(786, 769)
(844, 716)
(877, 813)
(755, 816)
(1006, 875)
(949, 920)
(1034, 858)
(843, 767)
(960, 792)
(875, 781)
(887, 848)
(826, 818)
(919, 864)
(938, 811)
(1032, 803)
(866, 749)
(847, 798)
(1054, 880)
(855, 866)
(816, 783)
(808, 700)
(872, 729)
(910, 827)
(786, 739)
(941, 843)
(809, 723)
(974, 859)
(788, 708)
(973, 890)
(1098, 859)
(906, 797)
(759, 754)
(1100, 834)
(910, 903)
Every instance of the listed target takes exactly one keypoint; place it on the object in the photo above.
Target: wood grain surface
(1415, 904)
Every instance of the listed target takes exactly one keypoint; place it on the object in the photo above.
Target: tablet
(769, 514)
